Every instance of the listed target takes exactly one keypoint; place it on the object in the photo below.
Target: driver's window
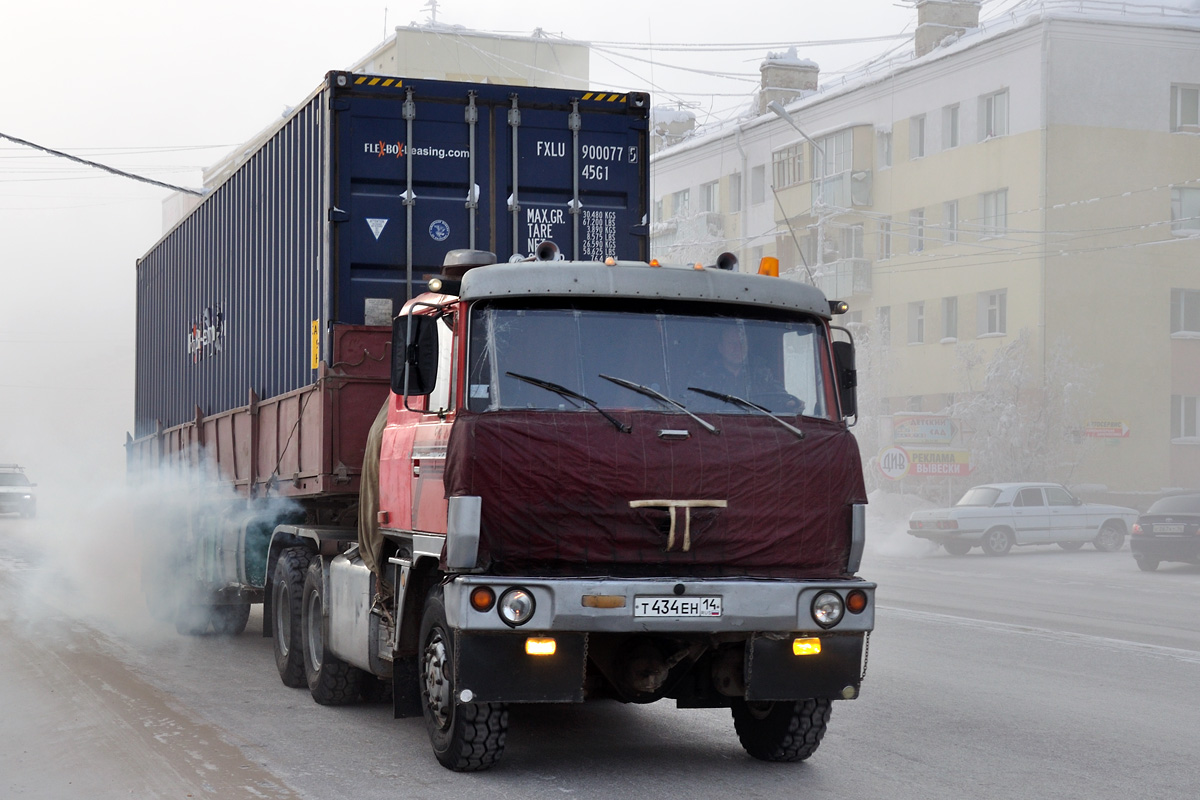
(1060, 497)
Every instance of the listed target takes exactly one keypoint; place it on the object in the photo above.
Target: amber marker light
(540, 646)
(856, 601)
(806, 647)
(603, 601)
(482, 598)
(769, 266)
(654, 262)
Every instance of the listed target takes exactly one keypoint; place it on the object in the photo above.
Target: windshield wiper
(740, 401)
(563, 391)
(660, 397)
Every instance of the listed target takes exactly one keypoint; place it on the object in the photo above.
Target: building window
(885, 239)
(885, 149)
(950, 127)
(735, 192)
(710, 196)
(993, 312)
(1185, 311)
(850, 241)
(916, 323)
(993, 115)
(1184, 421)
(758, 184)
(916, 230)
(950, 220)
(949, 319)
(883, 322)
(1185, 108)
(1185, 211)
(681, 202)
(993, 213)
(787, 166)
(838, 150)
(916, 137)
(658, 210)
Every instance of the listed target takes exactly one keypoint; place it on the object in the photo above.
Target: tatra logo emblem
(672, 507)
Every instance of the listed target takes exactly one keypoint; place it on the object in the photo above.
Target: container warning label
(376, 226)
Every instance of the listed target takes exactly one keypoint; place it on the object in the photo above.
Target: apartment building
(1035, 177)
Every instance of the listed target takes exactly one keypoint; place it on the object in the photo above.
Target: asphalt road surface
(1041, 674)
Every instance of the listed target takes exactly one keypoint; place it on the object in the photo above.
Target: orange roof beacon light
(654, 262)
(769, 266)
(610, 262)
(697, 265)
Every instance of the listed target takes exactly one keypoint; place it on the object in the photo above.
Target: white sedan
(997, 516)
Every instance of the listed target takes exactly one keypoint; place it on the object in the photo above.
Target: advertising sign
(951, 463)
(1106, 429)
(893, 462)
(923, 429)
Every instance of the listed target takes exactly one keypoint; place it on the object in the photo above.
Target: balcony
(842, 279)
(849, 189)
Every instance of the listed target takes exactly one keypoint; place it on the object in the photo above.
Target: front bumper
(569, 604)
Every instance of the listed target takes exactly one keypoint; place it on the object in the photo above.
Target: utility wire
(104, 167)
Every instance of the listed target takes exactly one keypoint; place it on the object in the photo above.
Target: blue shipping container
(370, 181)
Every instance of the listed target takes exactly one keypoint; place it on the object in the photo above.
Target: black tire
(1110, 539)
(781, 731)
(466, 737)
(230, 620)
(287, 598)
(1070, 547)
(1147, 564)
(957, 548)
(997, 541)
(331, 681)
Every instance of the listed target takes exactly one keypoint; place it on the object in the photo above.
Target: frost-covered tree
(1021, 422)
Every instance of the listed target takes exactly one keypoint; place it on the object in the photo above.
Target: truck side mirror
(415, 348)
(847, 377)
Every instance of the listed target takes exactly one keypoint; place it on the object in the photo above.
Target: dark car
(1168, 531)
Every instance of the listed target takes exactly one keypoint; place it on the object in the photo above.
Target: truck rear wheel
(287, 590)
(192, 618)
(331, 681)
(466, 737)
(230, 620)
(781, 731)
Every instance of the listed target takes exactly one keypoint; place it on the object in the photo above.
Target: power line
(104, 167)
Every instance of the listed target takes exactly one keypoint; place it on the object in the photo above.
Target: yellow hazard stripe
(369, 81)
(604, 97)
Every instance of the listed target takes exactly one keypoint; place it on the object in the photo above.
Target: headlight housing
(828, 609)
(516, 606)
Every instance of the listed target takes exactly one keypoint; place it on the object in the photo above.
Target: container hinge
(339, 104)
(409, 197)
(341, 474)
(409, 110)
(338, 215)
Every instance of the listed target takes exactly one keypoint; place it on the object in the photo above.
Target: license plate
(709, 606)
(1160, 528)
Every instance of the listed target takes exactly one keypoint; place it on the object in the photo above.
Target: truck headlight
(516, 606)
(827, 609)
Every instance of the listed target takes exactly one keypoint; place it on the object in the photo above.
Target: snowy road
(1042, 674)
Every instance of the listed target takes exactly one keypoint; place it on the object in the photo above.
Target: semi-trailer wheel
(997, 541)
(466, 737)
(331, 681)
(231, 619)
(1110, 538)
(287, 590)
(783, 730)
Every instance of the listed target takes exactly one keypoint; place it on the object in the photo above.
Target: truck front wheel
(331, 681)
(783, 730)
(466, 737)
(287, 589)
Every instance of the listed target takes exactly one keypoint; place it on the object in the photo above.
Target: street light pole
(781, 112)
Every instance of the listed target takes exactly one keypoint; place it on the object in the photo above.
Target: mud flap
(773, 672)
(495, 668)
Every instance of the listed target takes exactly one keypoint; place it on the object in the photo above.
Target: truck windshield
(776, 361)
(13, 479)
